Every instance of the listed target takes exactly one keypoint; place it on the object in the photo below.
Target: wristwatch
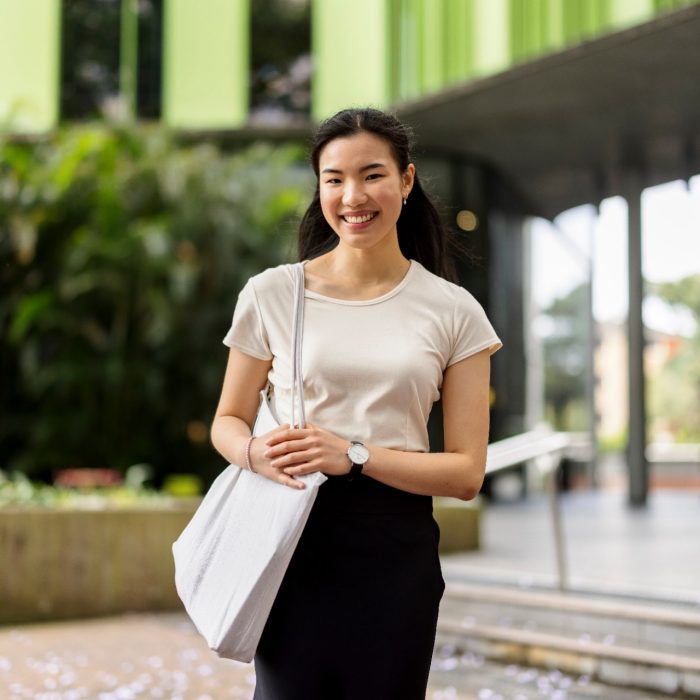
(358, 454)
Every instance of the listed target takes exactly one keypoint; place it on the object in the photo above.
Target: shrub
(121, 255)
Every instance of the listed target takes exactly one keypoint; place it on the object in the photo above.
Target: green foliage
(685, 293)
(674, 395)
(612, 444)
(121, 255)
(20, 491)
(565, 361)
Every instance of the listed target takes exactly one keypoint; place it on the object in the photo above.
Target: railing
(545, 449)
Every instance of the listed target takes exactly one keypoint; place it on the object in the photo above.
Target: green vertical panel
(593, 17)
(572, 21)
(29, 64)
(459, 58)
(518, 30)
(205, 63)
(554, 23)
(663, 5)
(128, 55)
(393, 62)
(410, 75)
(351, 57)
(539, 35)
(491, 36)
(627, 12)
(433, 44)
(587, 17)
(534, 29)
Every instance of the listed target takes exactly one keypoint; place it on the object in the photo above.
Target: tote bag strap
(297, 335)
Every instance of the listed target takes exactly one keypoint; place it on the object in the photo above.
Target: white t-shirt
(372, 369)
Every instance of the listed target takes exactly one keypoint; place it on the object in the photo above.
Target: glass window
(90, 57)
(150, 64)
(280, 62)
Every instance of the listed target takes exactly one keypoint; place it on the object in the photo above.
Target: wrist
(248, 462)
(239, 450)
(358, 455)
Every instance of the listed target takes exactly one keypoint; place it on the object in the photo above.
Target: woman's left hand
(300, 451)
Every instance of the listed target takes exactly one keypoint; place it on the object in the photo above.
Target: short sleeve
(247, 332)
(472, 331)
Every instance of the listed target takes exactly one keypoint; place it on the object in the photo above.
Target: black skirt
(356, 614)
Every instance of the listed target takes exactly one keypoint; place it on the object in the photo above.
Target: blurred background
(153, 158)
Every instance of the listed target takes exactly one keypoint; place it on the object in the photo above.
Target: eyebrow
(370, 166)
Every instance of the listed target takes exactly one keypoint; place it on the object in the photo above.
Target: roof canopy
(567, 128)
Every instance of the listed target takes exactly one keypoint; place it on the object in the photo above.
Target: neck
(372, 266)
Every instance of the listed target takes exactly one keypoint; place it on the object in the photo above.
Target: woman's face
(362, 189)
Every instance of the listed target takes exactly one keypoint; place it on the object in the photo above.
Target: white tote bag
(232, 556)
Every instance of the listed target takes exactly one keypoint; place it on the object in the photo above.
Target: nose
(354, 194)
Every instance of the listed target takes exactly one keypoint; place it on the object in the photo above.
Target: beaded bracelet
(248, 463)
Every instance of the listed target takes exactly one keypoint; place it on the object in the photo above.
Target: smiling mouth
(363, 219)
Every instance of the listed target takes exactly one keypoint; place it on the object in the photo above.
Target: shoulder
(441, 291)
(272, 282)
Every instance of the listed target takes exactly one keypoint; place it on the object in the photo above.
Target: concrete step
(670, 627)
(471, 676)
(650, 647)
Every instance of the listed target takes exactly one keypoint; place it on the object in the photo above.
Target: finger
(291, 482)
(288, 434)
(290, 459)
(298, 470)
(284, 448)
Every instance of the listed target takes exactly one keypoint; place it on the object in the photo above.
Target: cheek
(329, 209)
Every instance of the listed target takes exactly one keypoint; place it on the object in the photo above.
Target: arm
(458, 471)
(235, 415)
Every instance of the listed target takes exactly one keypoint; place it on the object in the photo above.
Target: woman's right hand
(263, 466)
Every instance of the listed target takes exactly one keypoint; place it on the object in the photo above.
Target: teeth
(358, 219)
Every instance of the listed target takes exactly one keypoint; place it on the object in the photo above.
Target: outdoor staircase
(498, 642)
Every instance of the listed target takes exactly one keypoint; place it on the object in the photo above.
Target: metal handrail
(545, 448)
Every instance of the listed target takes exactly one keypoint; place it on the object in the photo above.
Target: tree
(675, 392)
(121, 255)
(565, 358)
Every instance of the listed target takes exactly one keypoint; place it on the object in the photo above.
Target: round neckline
(310, 294)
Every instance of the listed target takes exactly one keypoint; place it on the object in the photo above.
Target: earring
(404, 201)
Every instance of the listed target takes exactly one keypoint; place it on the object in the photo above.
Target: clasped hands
(285, 452)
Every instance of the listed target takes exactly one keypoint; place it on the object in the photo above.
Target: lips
(359, 217)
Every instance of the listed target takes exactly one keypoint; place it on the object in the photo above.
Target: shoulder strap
(297, 335)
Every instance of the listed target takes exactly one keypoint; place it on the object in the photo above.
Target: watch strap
(355, 470)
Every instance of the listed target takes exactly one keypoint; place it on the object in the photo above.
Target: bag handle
(297, 336)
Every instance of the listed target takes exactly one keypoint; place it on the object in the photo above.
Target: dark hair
(422, 235)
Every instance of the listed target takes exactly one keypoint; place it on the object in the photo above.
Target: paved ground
(651, 552)
(143, 657)
(120, 658)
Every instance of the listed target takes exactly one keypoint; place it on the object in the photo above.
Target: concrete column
(636, 458)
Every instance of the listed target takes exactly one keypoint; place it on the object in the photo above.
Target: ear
(407, 178)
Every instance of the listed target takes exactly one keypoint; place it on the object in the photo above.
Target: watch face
(359, 454)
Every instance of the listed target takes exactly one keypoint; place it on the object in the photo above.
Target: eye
(332, 181)
(374, 175)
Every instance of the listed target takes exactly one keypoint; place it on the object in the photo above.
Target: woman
(385, 335)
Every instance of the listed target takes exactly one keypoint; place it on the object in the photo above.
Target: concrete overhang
(568, 128)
